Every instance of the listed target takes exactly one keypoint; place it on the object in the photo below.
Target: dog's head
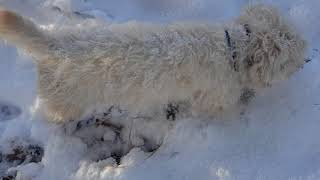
(273, 50)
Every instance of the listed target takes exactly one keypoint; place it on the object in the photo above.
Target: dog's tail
(23, 33)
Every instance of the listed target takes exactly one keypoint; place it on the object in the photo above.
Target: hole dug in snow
(18, 152)
(8, 111)
(114, 133)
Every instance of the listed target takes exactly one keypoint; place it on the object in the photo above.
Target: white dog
(141, 67)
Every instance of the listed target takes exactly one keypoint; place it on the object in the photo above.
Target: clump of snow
(26, 172)
(275, 138)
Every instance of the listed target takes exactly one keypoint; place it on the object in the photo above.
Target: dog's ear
(274, 49)
(22, 33)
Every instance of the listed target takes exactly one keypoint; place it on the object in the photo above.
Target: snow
(276, 138)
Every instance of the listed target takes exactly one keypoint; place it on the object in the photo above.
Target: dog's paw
(114, 134)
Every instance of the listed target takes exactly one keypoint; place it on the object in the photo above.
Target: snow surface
(276, 138)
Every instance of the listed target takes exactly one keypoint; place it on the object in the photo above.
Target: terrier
(142, 66)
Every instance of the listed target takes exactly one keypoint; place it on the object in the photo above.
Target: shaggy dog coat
(141, 67)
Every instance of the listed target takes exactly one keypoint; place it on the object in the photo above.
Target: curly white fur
(141, 66)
